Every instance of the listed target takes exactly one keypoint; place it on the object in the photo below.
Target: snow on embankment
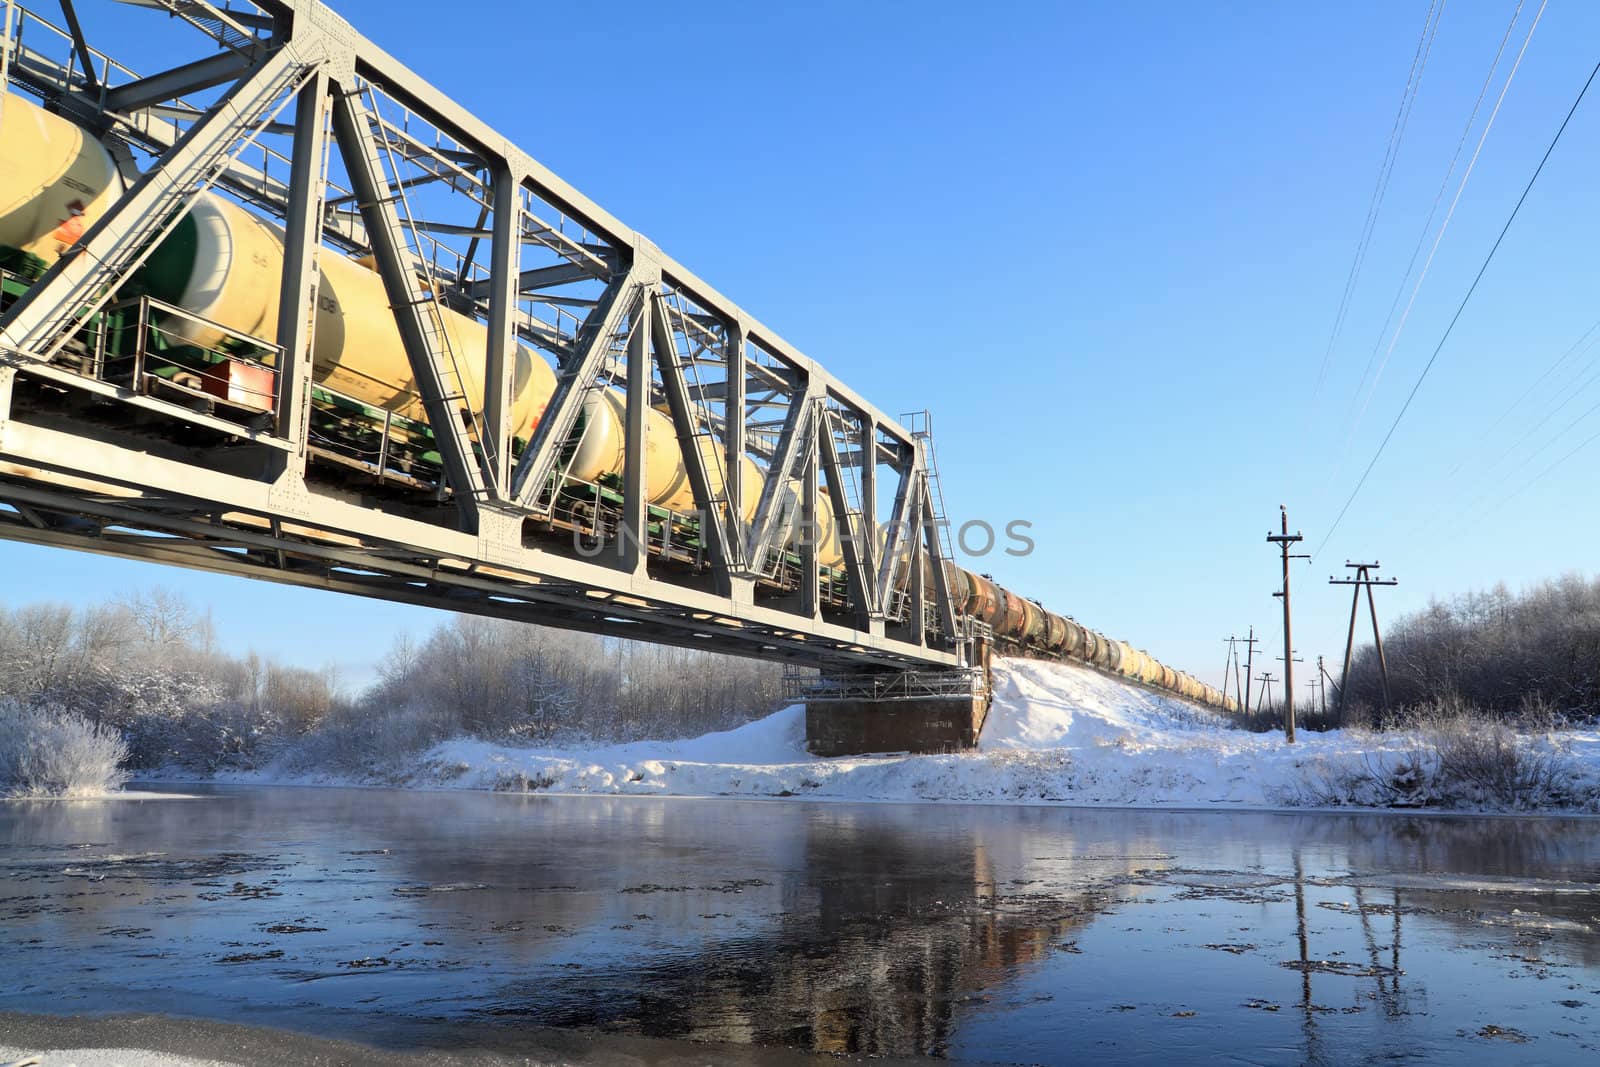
(1056, 733)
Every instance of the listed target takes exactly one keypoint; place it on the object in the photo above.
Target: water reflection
(1030, 934)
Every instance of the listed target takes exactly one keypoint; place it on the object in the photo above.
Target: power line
(1466, 175)
(1391, 152)
(1506, 413)
(1535, 480)
(1353, 423)
(1543, 420)
(1438, 197)
(1459, 309)
(1531, 482)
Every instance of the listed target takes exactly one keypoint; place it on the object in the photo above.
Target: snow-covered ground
(1056, 733)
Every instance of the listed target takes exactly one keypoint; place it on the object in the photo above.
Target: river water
(415, 920)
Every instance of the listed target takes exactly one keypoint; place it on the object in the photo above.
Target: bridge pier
(913, 711)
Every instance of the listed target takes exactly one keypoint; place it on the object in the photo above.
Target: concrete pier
(905, 724)
(908, 712)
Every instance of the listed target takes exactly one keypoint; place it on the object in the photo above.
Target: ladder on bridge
(920, 425)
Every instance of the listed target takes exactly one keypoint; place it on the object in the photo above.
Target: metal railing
(900, 685)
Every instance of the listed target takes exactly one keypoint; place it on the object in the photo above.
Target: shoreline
(183, 1041)
(1221, 806)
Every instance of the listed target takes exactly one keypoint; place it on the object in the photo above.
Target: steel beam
(941, 580)
(80, 46)
(902, 523)
(500, 366)
(297, 299)
(810, 537)
(417, 313)
(538, 459)
(918, 598)
(715, 520)
(632, 551)
(770, 512)
(358, 536)
(207, 73)
(857, 563)
(733, 444)
(536, 278)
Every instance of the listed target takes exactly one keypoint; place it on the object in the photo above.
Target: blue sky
(1105, 245)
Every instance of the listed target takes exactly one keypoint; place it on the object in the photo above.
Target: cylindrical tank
(223, 263)
(1073, 645)
(1015, 616)
(1055, 632)
(960, 583)
(1130, 659)
(712, 454)
(55, 181)
(984, 601)
(1110, 652)
(830, 550)
(1033, 623)
(601, 448)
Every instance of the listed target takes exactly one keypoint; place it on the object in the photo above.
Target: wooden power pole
(1364, 579)
(1228, 664)
(1283, 540)
(1250, 644)
(1266, 680)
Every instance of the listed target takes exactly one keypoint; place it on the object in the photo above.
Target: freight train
(191, 324)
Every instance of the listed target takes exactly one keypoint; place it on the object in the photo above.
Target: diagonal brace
(941, 578)
(622, 297)
(417, 313)
(773, 506)
(714, 517)
(857, 555)
(902, 523)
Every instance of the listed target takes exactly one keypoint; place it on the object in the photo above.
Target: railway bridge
(273, 305)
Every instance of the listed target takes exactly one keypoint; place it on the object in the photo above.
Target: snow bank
(1056, 733)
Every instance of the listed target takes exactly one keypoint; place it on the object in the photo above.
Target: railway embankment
(1056, 734)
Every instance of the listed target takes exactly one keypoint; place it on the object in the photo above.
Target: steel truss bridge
(283, 106)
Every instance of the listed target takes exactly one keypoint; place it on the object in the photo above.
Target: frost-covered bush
(48, 751)
(1454, 756)
(369, 739)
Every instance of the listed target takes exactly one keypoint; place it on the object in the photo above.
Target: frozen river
(449, 920)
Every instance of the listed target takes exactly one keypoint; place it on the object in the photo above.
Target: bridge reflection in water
(999, 934)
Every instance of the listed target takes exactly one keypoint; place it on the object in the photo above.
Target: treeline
(1514, 655)
(151, 667)
(1524, 658)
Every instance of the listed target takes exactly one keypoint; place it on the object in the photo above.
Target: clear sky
(1106, 245)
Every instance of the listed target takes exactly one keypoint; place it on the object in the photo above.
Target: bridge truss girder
(456, 220)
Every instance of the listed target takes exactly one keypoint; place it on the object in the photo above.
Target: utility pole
(1249, 667)
(1237, 693)
(1283, 541)
(1290, 673)
(1266, 680)
(1326, 678)
(1364, 579)
(1322, 684)
(1227, 664)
